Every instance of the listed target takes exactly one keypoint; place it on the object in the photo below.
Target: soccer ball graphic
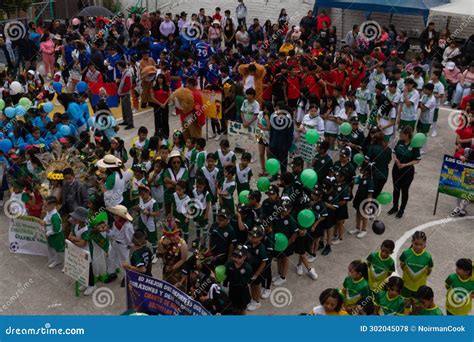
(14, 246)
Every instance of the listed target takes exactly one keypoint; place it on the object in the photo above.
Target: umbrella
(95, 11)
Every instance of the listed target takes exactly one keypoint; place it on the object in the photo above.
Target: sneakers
(154, 260)
(399, 214)
(337, 242)
(392, 211)
(320, 245)
(362, 234)
(312, 258)
(462, 213)
(266, 293)
(312, 274)
(434, 134)
(326, 250)
(53, 264)
(279, 281)
(354, 231)
(275, 278)
(253, 305)
(217, 137)
(89, 290)
(335, 238)
(299, 269)
(212, 136)
(446, 103)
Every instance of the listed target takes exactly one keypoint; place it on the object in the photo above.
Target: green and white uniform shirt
(54, 230)
(458, 297)
(426, 116)
(242, 178)
(415, 272)
(409, 113)
(355, 290)
(379, 270)
(363, 96)
(389, 306)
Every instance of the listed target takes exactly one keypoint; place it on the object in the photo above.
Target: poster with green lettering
(457, 178)
(27, 236)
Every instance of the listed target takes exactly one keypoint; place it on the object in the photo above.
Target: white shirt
(314, 122)
(409, 113)
(124, 235)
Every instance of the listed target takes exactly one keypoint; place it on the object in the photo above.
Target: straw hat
(174, 153)
(120, 211)
(109, 161)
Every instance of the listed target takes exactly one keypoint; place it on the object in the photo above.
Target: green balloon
(220, 273)
(281, 242)
(418, 140)
(263, 184)
(306, 218)
(244, 196)
(345, 128)
(272, 166)
(384, 198)
(2, 104)
(312, 136)
(359, 159)
(25, 102)
(309, 178)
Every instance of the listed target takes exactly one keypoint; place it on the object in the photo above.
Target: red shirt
(293, 87)
(310, 82)
(161, 95)
(465, 100)
(340, 78)
(320, 19)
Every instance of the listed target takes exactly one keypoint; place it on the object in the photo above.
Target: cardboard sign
(27, 235)
(457, 178)
(77, 263)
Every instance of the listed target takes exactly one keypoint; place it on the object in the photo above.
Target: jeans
(460, 93)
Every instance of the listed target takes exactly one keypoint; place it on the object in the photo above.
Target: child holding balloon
(363, 201)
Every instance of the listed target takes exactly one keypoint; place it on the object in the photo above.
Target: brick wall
(269, 9)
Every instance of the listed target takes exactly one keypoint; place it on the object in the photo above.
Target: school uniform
(255, 256)
(180, 212)
(269, 242)
(288, 226)
(322, 165)
(84, 234)
(220, 239)
(182, 174)
(320, 211)
(228, 200)
(366, 186)
(157, 189)
(242, 178)
(100, 249)
(426, 116)
(202, 200)
(408, 114)
(364, 97)
(142, 257)
(147, 222)
(225, 159)
(342, 194)
(239, 278)
(121, 238)
(55, 236)
(331, 198)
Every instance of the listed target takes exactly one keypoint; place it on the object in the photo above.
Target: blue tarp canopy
(406, 7)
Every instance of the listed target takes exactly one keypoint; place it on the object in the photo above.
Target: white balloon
(15, 88)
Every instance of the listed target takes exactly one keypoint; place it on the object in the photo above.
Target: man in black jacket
(427, 34)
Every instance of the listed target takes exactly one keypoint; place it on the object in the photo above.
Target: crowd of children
(177, 201)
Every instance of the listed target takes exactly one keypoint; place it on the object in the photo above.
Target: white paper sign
(77, 263)
(27, 236)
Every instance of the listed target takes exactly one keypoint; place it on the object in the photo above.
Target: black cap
(223, 212)
(239, 251)
(273, 190)
(345, 152)
(183, 14)
(354, 119)
(379, 86)
(257, 232)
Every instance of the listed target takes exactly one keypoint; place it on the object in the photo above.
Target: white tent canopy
(463, 8)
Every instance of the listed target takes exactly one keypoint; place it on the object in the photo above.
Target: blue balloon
(81, 87)
(57, 86)
(65, 130)
(91, 121)
(48, 107)
(22, 147)
(5, 145)
(10, 112)
(1, 135)
(11, 135)
(20, 110)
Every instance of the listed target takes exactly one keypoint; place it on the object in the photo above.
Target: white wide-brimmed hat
(120, 211)
(109, 161)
